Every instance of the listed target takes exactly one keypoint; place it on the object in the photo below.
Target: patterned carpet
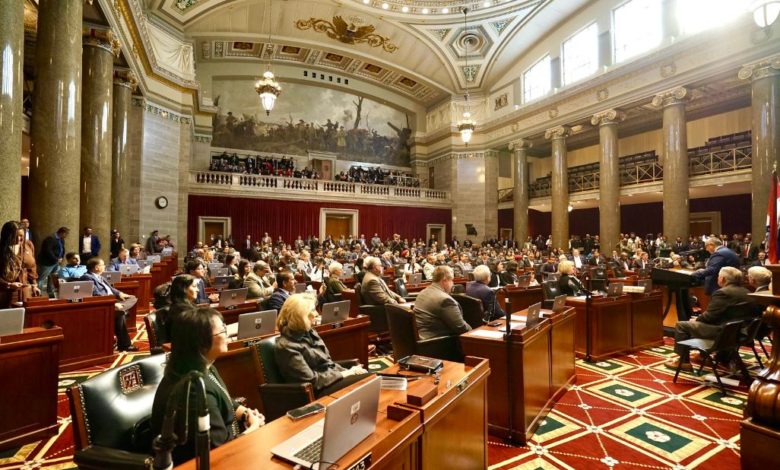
(623, 413)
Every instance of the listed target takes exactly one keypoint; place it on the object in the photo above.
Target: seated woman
(199, 338)
(182, 295)
(496, 274)
(567, 281)
(302, 356)
(332, 287)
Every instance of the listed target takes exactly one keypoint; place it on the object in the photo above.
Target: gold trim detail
(347, 33)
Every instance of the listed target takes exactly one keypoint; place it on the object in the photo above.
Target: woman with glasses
(302, 356)
(199, 338)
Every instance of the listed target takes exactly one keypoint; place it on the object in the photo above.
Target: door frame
(326, 211)
(227, 225)
(442, 227)
(713, 217)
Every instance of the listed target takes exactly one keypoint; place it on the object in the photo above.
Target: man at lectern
(720, 256)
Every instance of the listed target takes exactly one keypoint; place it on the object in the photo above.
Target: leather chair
(406, 339)
(153, 333)
(400, 289)
(473, 311)
(380, 331)
(458, 289)
(111, 414)
(354, 302)
(551, 291)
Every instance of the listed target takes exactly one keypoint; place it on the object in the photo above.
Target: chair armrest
(445, 347)
(278, 399)
(349, 363)
(100, 458)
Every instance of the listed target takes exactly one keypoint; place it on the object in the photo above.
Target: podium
(29, 374)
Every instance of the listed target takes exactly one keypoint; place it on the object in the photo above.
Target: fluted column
(609, 177)
(55, 136)
(559, 192)
(520, 194)
(96, 135)
(11, 57)
(124, 84)
(765, 103)
(676, 173)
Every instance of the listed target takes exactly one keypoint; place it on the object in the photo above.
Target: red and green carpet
(623, 413)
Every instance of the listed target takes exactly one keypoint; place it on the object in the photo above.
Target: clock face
(161, 202)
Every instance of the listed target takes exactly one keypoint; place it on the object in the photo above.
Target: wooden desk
(519, 297)
(88, 328)
(647, 328)
(393, 445)
(130, 288)
(230, 315)
(144, 291)
(541, 361)
(29, 374)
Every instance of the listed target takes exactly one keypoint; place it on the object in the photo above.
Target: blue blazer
(722, 257)
(101, 287)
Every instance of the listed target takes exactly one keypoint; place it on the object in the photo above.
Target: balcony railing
(314, 188)
(710, 163)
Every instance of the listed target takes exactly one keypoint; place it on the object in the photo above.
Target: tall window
(581, 55)
(537, 79)
(638, 27)
(695, 16)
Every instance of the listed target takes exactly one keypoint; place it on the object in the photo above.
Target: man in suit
(373, 288)
(122, 258)
(95, 268)
(257, 282)
(436, 312)
(760, 259)
(285, 281)
(479, 290)
(720, 257)
(196, 269)
(551, 266)
(28, 233)
(577, 259)
(49, 258)
(89, 245)
(643, 262)
(729, 303)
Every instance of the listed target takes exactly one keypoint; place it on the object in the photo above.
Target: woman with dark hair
(244, 268)
(182, 296)
(496, 272)
(14, 276)
(199, 338)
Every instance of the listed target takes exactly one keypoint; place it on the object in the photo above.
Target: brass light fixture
(267, 87)
(467, 125)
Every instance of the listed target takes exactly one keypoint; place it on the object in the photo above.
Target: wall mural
(307, 118)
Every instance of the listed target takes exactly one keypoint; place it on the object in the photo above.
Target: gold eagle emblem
(348, 33)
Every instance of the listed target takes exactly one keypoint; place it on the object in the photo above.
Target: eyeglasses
(223, 332)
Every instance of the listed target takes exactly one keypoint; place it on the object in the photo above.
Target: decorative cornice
(557, 132)
(607, 117)
(520, 144)
(166, 114)
(205, 139)
(101, 38)
(671, 97)
(126, 78)
(138, 101)
(769, 67)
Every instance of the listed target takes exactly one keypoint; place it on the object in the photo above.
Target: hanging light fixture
(765, 12)
(467, 124)
(267, 86)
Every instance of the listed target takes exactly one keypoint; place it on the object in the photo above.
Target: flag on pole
(771, 221)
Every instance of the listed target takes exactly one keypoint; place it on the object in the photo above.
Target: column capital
(607, 117)
(763, 68)
(676, 95)
(125, 78)
(102, 38)
(557, 132)
(520, 144)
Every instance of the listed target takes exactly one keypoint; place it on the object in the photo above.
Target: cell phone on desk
(494, 323)
(304, 411)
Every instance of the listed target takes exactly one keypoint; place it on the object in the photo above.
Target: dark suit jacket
(727, 304)
(722, 257)
(101, 287)
(95, 249)
(277, 299)
(488, 298)
(438, 314)
(52, 250)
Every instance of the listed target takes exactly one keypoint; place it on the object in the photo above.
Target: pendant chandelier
(267, 87)
(467, 124)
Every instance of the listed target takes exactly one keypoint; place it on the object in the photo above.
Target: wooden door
(213, 229)
(337, 225)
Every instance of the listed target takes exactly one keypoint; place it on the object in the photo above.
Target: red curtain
(250, 216)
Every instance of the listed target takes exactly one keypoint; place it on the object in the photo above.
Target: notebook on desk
(335, 312)
(348, 421)
(11, 321)
(232, 297)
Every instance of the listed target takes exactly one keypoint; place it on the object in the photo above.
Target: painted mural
(310, 118)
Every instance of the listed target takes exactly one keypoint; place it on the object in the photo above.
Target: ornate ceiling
(422, 49)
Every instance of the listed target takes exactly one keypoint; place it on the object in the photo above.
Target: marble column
(55, 135)
(559, 191)
(520, 191)
(675, 162)
(609, 178)
(96, 133)
(11, 57)
(765, 104)
(121, 188)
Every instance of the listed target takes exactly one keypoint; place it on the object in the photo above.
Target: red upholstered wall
(292, 218)
(640, 218)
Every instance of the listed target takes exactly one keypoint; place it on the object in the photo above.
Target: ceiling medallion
(347, 33)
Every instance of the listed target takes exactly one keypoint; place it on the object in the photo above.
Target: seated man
(197, 270)
(479, 290)
(285, 281)
(332, 287)
(74, 269)
(437, 313)
(373, 288)
(729, 303)
(759, 277)
(123, 258)
(257, 282)
(95, 267)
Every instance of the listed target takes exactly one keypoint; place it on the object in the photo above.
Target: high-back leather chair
(406, 339)
(380, 332)
(400, 287)
(153, 333)
(551, 291)
(354, 302)
(110, 414)
(279, 397)
(473, 311)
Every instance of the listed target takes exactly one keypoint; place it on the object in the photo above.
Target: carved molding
(520, 144)
(166, 114)
(671, 97)
(607, 117)
(102, 38)
(205, 139)
(348, 33)
(126, 78)
(761, 69)
(557, 132)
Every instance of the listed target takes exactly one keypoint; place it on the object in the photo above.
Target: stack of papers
(393, 383)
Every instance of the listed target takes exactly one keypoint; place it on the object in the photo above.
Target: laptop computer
(348, 421)
(142, 263)
(214, 266)
(75, 291)
(335, 312)
(222, 282)
(128, 269)
(153, 259)
(220, 272)
(524, 281)
(11, 321)
(647, 284)
(167, 251)
(532, 317)
(112, 277)
(300, 287)
(615, 289)
(415, 279)
(251, 325)
(232, 297)
(551, 277)
(559, 303)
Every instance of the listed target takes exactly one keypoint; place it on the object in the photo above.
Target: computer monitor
(11, 321)
(232, 297)
(75, 291)
(251, 325)
(335, 312)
